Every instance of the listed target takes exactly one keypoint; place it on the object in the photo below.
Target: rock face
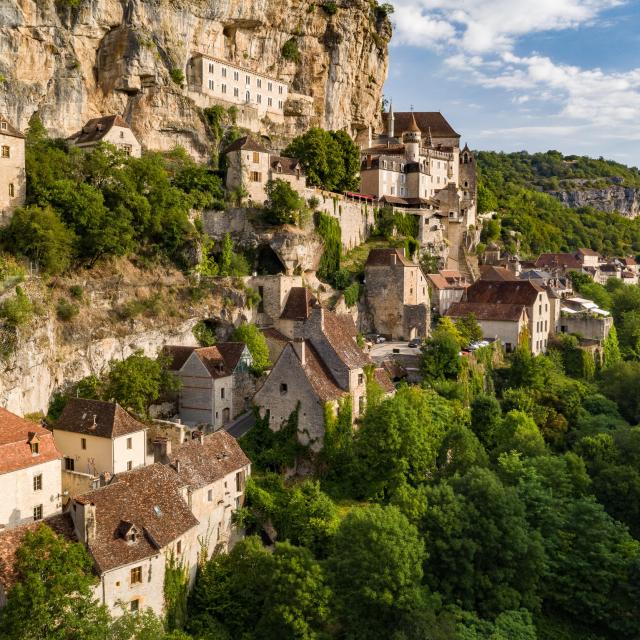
(111, 56)
(624, 200)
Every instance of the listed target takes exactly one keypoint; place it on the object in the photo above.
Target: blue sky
(523, 74)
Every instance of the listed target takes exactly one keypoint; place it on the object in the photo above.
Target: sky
(523, 74)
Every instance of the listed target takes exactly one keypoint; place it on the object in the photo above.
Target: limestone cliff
(624, 200)
(105, 56)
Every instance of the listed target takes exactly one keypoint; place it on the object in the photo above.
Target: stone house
(250, 166)
(584, 318)
(397, 294)
(216, 382)
(13, 177)
(97, 439)
(504, 322)
(30, 471)
(445, 288)
(521, 293)
(319, 363)
(112, 129)
(134, 525)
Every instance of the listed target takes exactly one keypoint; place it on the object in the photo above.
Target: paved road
(241, 425)
(386, 349)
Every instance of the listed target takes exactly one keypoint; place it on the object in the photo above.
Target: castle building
(230, 83)
(112, 129)
(13, 179)
(250, 166)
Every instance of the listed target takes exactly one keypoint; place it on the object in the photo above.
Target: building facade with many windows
(30, 478)
(236, 85)
(13, 180)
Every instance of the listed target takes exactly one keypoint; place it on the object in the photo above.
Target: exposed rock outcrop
(105, 56)
(623, 200)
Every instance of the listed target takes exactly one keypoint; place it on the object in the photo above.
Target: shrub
(330, 8)
(256, 343)
(18, 310)
(290, 50)
(66, 310)
(285, 205)
(177, 75)
(204, 334)
(352, 294)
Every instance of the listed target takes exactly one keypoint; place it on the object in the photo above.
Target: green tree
(441, 356)
(284, 205)
(483, 555)
(226, 255)
(460, 450)
(621, 383)
(138, 381)
(469, 329)
(519, 432)
(399, 440)
(375, 573)
(257, 345)
(53, 597)
(485, 418)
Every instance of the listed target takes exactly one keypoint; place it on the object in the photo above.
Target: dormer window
(3, 125)
(34, 444)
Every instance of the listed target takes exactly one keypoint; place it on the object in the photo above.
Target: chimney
(83, 514)
(300, 348)
(161, 449)
(95, 422)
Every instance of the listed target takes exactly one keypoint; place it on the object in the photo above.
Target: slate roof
(487, 311)
(342, 342)
(384, 258)
(558, 260)
(12, 539)
(270, 333)
(220, 360)
(97, 418)
(425, 120)
(231, 353)
(97, 128)
(298, 305)
(520, 292)
(15, 448)
(148, 498)
(8, 129)
(246, 143)
(201, 464)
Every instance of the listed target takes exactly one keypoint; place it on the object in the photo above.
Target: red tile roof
(97, 418)
(16, 433)
(150, 499)
(487, 311)
(97, 128)
(588, 252)
(520, 292)
(177, 355)
(558, 261)
(200, 464)
(489, 272)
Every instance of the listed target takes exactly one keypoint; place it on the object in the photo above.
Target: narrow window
(360, 378)
(37, 482)
(210, 67)
(247, 80)
(239, 479)
(210, 495)
(12, 190)
(236, 75)
(179, 547)
(247, 96)
(224, 88)
(236, 93)
(259, 83)
(222, 393)
(134, 606)
(259, 99)
(37, 512)
(129, 465)
(211, 85)
(83, 443)
(279, 104)
(283, 389)
(35, 448)
(224, 72)
(136, 575)
(256, 157)
(270, 102)
(129, 443)
(280, 89)
(270, 86)
(69, 464)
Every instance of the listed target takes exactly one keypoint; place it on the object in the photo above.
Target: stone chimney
(161, 449)
(300, 347)
(83, 513)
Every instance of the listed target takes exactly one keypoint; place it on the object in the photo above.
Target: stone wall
(591, 327)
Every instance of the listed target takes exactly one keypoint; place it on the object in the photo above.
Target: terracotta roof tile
(342, 342)
(298, 305)
(319, 376)
(489, 272)
(385, 258)
(558, 261)
(201, 464)
(177, 355)
(487, 311)
(288, 166)
(520, 292)
(16, 433)
(149, 498)
(97, 418)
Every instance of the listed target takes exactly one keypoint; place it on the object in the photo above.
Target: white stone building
(229, 83)
(30, 477)
(97, 438)
(112, 129)
(13, 179)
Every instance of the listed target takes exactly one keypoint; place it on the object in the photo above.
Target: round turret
(411, 139)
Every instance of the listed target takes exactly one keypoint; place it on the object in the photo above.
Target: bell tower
(411, 139)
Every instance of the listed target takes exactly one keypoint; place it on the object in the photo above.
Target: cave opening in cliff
(268, 263)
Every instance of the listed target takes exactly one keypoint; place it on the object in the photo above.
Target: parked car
(415, 343)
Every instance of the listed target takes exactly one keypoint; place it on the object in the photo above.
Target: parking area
(379, 352)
